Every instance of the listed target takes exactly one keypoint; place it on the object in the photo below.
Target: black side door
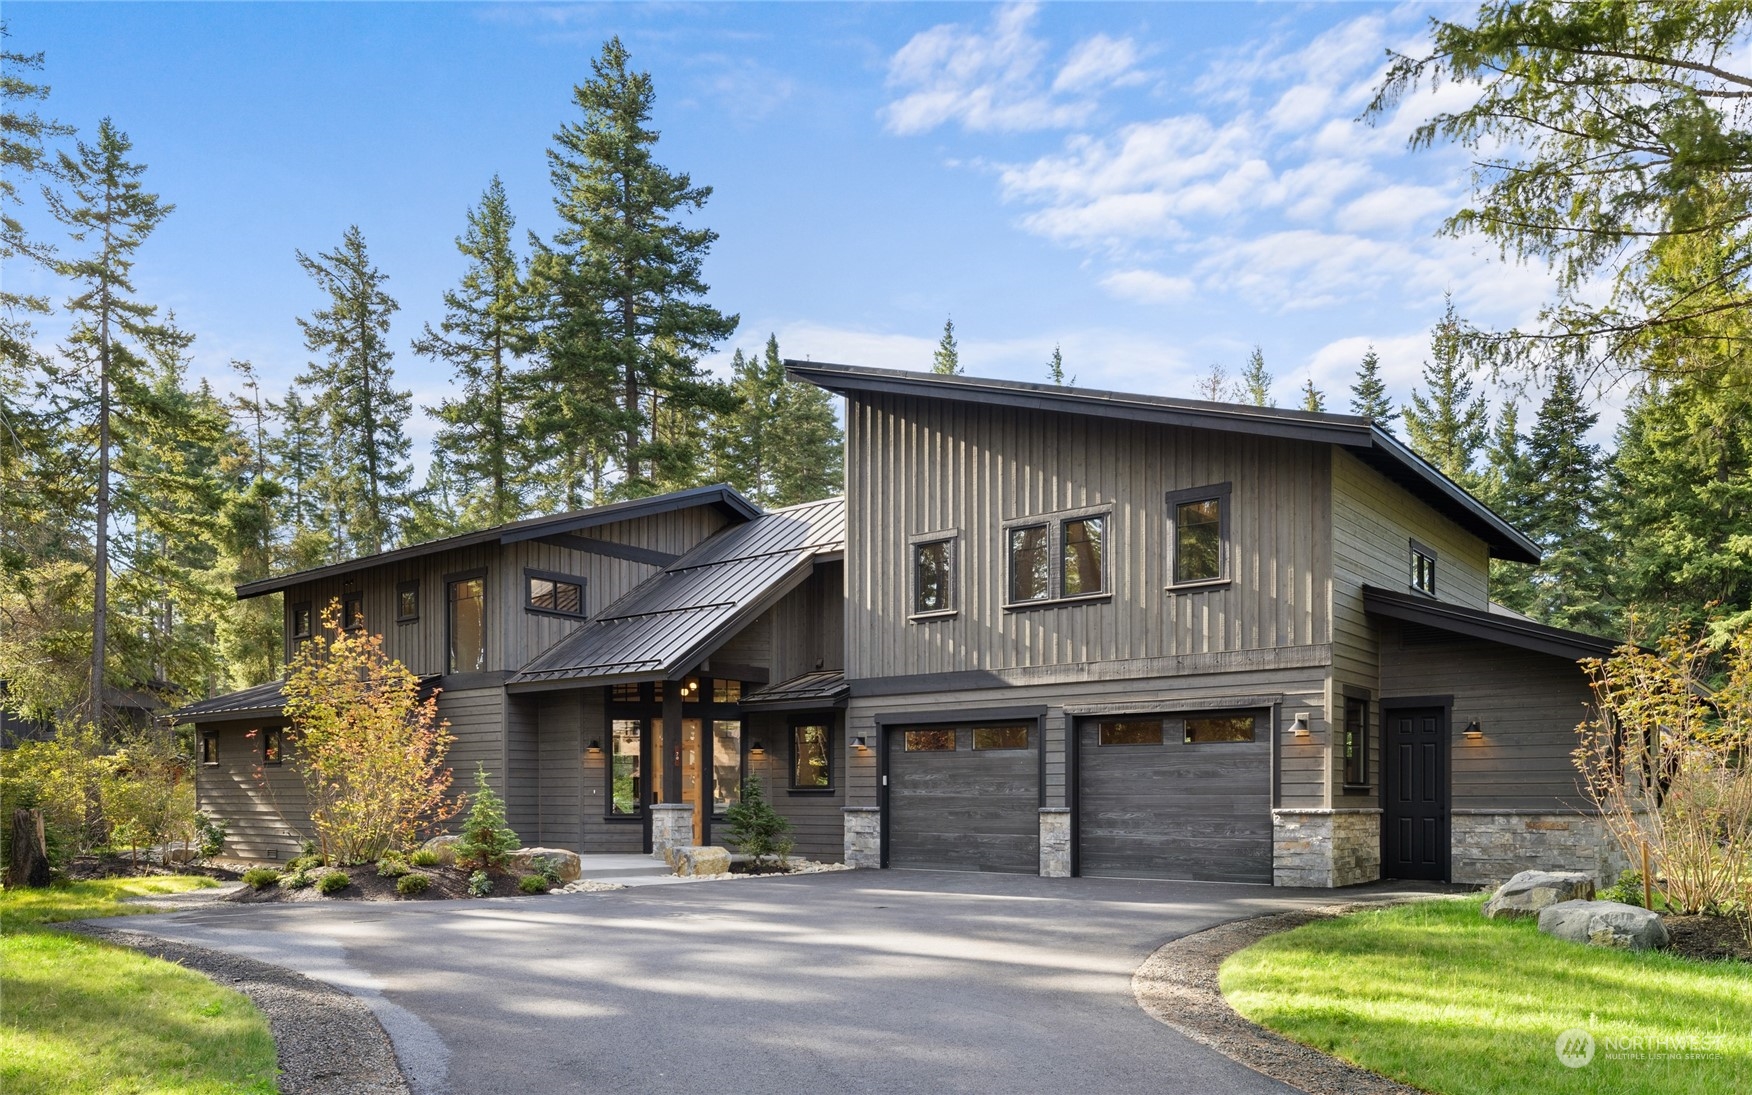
(1414, 835)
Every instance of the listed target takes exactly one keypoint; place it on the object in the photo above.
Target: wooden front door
(1414, 761)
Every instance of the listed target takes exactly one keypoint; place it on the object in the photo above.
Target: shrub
(1628, 890)
(534, 883)
(487, 842)
(303, 863)
(391, 868)
(424, 857)
(146, 791)
(410, 885)
(261, 878)
(334, 882)
(548, 868)
(480, 884)
(210, 832)
(297, 880)
(755, 827)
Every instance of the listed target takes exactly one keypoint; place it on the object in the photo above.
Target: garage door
(964, 798)
(1176, 797)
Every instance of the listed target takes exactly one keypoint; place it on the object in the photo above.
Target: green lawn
(1436, 996)
(77, 1015)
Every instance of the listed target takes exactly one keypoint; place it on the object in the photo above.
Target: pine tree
(781, 444)
(1447, 425)
(1312, 398)
(1562, 502)
(1055, 369)
(1255, 384)
(23, 154)
(486, 330)
(487, 841)
(299, 454)
(1214, 385)
(947, 357)
(366, 474)
(1503, 486)
(1369, 392)
(625, 296)
(249, 630)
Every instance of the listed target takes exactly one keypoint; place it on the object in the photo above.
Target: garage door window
(930, 741)
(1202, 729)
(1000, 737)
(1129, 732)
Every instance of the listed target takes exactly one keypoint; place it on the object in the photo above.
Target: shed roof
(666, 625)
(261, 699)
(1510, 629)
(1364, 438)
(822, 688)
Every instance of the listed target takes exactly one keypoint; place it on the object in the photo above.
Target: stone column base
(1490, 846)
(1325, 848)
(863, 836)
(671, 828)
(1055, 842)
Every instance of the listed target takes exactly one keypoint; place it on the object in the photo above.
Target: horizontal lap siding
(477, 722)
(523, 776)
(265, 809)
(600, 835)
(817, 826)
(560, 748)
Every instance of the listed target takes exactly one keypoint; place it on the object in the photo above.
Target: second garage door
(965, 798)
(1186, 797)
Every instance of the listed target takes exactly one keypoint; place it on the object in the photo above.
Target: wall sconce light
(1472, 731)
(755, 749)
(858, 742)
(1300, 727)
(595, 745)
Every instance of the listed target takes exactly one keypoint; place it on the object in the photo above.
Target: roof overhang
(816, 691)
(1473, 623)
(1364, 438)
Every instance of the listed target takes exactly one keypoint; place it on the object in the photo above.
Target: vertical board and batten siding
(1374, 521)
(817, 825)
(1527, 704)
(808, 625)
(265, 808)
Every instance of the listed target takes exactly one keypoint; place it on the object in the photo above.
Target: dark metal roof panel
(259, 699)
(1494, 627)
(825, 686)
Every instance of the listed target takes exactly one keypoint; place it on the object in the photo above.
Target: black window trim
(578, 580)
(348, 596)
(1224, 494)
(279, 746)
(210, 736)
(792, 724)
(1347, 696)
(1420, 548)
(292, 611)
(1054, 524)
(951, 537)
(448, 581)
(413, 585)
(1261, 717)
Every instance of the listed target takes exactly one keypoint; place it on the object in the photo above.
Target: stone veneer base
(1325, 848)
(1489, 846)
(1055, 842)
(863, 836)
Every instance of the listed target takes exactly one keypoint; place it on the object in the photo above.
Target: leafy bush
(534, 883)
(755, 827)
(391, 868)
(1627, 890)
(146, 791)
(210, 831)
(548, 868)
(261, 878)
(297, 880)
(334, 882)
(423, 857)
(303, 863)
(480, 884)
(487, 842)
(410, 885)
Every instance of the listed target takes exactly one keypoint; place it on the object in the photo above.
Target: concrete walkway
(854, 981)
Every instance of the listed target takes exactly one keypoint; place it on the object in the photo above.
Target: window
(1129, 732)
(468, 624)
(811, 756)
(1028, 564)
(1198, 535)
(626, 745)
(726, 691)
(1000, 737)
(300, 614)
(271, 745)
(407, 602)
(1201, 729)
(1356, 742)
(353, 609)
(726, 764)
(929, 741)
(560, 594)
(1080, 572)
(1423, 569)
(209, 747)
(933, 577)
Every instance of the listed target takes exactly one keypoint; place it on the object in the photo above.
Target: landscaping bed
(88, 868)
(1437, 997)
(364, 884)
(1708, 939)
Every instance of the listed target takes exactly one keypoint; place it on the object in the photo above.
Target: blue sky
(1155, 188)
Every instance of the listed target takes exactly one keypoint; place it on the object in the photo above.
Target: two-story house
(1048, 630)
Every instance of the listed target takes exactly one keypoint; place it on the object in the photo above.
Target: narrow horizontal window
(932, 577)
(1202, 729)
(1129, 732)
(726, 691)
(624, 693)
(1081, 568)
(930, 741)
(1000, 737)
(556, 595)
(1029, 563)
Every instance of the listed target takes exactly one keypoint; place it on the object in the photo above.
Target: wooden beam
(611, 549)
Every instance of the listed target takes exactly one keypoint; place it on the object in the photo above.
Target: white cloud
(1397, 208)
(1147, 286)
(1099, 62)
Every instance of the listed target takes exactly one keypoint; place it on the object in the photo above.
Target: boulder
(526, 860)
(1530, 891)
(1605, 924)
(701, 861)
(166, 854)
(445, 846)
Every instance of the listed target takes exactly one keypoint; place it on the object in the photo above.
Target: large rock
(700, 861)
(1605, 924)
(527, 861)
(445, 846)
(1530, 891)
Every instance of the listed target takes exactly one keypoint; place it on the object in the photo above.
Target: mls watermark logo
(1575, 1048)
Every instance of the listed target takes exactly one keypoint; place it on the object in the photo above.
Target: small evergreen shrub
(210, 833)
(534, 883)
(755, 827)
(303, 863)
(548, 868)
(1627, 890)
(412, 885)
(391, 868)
(260, 878)
(334, 882)
(423, 857)
(480, 884)
(297, 880)
(487, 842)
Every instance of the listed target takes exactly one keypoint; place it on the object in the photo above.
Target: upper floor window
(1082, 539)
(1028, 564)
(560, 594)
(1059, 558)
(933, 576)
(1198, 535)
(467, 599)
(300, 614)
(353, 609)
(1423, 569)
(1356, 742)
(407, 602)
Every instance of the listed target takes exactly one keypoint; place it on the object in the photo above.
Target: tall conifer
(1445, 423)
(1369, 391)
(946, 359)
(1255, 384)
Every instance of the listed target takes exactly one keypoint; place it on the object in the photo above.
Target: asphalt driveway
(855, 981)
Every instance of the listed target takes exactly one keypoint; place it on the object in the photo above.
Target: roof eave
(1472, 623)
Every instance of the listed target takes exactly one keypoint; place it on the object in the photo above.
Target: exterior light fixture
(1300, 726)
(858, 742)
(1472, 731)
(595, 745)
(755, 749)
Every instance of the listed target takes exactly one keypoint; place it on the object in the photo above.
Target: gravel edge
(327, 1042)
(1177, 986)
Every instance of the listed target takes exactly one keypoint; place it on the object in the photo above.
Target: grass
(1434, 995)
(77, 1015)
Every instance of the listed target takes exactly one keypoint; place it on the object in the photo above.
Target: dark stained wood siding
(816, 823)
(523, 767)
(967, 810)
(809, 625)
(477, 722)
(560, 753)
(264, 807)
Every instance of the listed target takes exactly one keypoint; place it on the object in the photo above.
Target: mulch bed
(447, 883)
(1708, 938)
(89, 868)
